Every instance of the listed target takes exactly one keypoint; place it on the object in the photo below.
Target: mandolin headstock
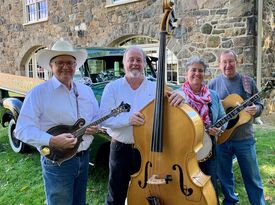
(123, 107)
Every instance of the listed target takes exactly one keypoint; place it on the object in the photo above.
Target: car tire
(16, 145)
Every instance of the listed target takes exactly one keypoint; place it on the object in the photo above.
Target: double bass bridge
(154, 180)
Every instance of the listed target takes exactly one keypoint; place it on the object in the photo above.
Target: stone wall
(205, 28)
(104, 26)
(268, 59)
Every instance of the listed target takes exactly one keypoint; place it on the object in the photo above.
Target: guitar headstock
(268, 86)
(266, 89)
(123, 107)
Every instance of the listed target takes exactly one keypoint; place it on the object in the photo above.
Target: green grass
(265, 147)
(21, 181)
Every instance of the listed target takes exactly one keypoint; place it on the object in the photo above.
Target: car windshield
(105, 64)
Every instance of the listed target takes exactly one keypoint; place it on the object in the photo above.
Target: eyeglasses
(231, 62)
(61, 64)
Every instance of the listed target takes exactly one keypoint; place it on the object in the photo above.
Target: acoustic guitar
(234, 107)
(236, 116)
(77, 130)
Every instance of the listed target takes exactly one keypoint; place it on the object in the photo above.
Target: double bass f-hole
(185, 190)
(142, 186)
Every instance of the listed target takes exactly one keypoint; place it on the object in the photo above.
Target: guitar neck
(81, 131)
(236, 110)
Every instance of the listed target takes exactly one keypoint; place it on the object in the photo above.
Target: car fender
(12, 108)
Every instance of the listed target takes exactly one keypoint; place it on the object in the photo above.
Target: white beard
(135, 74)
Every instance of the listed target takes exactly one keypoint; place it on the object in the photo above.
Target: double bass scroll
(169, 173)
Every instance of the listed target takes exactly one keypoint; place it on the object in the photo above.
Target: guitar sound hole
(233, 121)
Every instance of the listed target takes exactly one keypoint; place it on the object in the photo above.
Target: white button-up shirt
(50, 104)
(114, 93)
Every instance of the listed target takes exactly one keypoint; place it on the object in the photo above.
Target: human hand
(251, 109)
(137, 119)
(63, 141)
(91, 130)
(175, 98)
(214, 131)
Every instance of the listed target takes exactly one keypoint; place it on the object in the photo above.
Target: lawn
(21, 181)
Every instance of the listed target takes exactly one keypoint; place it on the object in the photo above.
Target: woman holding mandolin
(207, 103)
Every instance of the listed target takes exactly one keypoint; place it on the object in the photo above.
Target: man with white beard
(137, 91)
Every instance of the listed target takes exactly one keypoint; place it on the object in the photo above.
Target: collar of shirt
(56, 83)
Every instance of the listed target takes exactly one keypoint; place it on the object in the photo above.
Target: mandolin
(77, 130)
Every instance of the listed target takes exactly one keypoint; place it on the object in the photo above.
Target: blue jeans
(66, 184)
(245, 152)
(123, 161)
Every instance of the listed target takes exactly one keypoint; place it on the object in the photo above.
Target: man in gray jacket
(241, 142)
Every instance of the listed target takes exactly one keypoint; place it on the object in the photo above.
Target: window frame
(111, 3)
(33, 70)
(38, 14)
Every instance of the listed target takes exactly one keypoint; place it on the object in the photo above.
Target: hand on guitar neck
(251, 110)
(214, 131)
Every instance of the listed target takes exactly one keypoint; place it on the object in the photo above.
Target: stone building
(205, 27)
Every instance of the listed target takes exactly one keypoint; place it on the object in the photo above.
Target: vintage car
(101, 66)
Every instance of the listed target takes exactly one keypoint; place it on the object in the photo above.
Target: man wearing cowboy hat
(54, 102)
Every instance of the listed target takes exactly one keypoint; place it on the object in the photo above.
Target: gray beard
(135, 74)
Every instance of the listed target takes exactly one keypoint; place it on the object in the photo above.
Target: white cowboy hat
(61, 47)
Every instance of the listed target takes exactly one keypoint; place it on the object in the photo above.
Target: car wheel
(16, 145)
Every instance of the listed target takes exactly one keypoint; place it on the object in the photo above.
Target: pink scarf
(199, 102)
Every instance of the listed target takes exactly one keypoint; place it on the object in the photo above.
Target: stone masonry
(205, 27)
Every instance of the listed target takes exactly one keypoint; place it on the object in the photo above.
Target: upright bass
(169, 173)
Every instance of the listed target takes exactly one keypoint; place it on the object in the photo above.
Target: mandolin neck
(81, 131)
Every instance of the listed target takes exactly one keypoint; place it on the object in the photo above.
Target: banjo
(206, 151)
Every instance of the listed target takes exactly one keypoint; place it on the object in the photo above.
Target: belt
(122, 143)
(81, 153)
